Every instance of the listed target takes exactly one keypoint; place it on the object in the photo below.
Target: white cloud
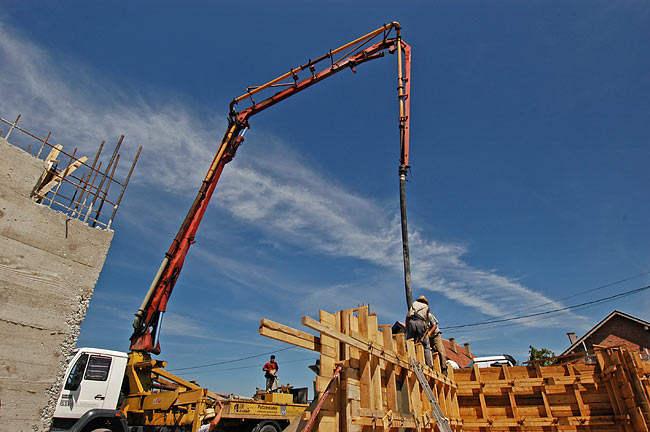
(279, 195)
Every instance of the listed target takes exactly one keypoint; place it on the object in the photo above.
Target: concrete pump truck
(132, 392)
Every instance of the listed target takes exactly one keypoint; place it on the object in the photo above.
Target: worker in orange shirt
(270, 370)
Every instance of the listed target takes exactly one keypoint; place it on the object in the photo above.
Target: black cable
(516, 323)
(568, 297)
(485, 322)
(253, 366)
(601, 300)
(232, 361)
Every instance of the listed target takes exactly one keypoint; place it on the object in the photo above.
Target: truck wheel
(267, 427)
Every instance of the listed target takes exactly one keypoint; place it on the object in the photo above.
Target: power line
(231, 361)
(252, 366)
(477, 329)
(593, 302)
(480, 323)
(568, 297)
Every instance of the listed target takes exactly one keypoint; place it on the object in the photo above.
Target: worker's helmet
(423, 299)
(209, 413)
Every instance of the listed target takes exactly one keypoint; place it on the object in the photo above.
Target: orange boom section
(148, 319)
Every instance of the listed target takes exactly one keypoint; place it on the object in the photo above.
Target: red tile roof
(459, 356)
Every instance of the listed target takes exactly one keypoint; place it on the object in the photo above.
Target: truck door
(86, 386)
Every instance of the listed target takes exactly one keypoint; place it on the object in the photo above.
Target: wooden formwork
(378, 390)
(610, 394)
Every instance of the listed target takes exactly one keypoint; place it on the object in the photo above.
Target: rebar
(126, 182)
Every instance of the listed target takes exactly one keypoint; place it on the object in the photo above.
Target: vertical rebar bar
(98, 212)
(74, 195)
(126, 182)
(43, 145)
(92, 169)
(101, 183)
(89, 190)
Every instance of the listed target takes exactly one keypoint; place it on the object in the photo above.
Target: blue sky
(529, 148)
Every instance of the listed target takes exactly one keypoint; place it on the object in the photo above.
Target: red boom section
(148, 318)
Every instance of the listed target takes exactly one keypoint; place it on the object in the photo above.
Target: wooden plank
(361, 346)
(345, 329)
(354, 327)
(328, 361)
(374, 334)
(398, 421)
(321, 383)
(419, 354)
(375, 374)
(328, 421)
(364, 362)
(327, 319)
(632, 362)
(363, 320)
(415, 394)
(45, 188)
(328, 351)
(54, 153)
(400, 347)
(410, 348)
(288, 334)
(391, 386)
(481, 396)
(576, 392)
(376, 339)
(387, 338)
(327, 366)
(547, 406)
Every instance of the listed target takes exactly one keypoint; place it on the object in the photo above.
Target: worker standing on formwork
(435, 332)
(420, 325)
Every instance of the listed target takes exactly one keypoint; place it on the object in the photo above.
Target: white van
(493, 361)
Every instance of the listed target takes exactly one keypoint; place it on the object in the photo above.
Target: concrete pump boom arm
(148, 319)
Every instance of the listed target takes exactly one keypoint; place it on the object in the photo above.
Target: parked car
(493, 361)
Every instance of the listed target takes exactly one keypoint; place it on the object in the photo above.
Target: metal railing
(69, 184)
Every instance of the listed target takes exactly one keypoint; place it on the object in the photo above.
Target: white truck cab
(93, 381)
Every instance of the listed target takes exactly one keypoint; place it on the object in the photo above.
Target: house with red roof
(617, 329)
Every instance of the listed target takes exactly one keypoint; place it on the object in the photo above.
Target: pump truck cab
(91, 392)
(96, 397)
(114, 391)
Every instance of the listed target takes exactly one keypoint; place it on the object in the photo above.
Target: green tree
(541, 354)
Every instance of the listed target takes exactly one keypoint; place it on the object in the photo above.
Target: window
(77, 371)
(98, 368)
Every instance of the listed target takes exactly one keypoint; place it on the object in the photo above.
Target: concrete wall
(49, 265)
